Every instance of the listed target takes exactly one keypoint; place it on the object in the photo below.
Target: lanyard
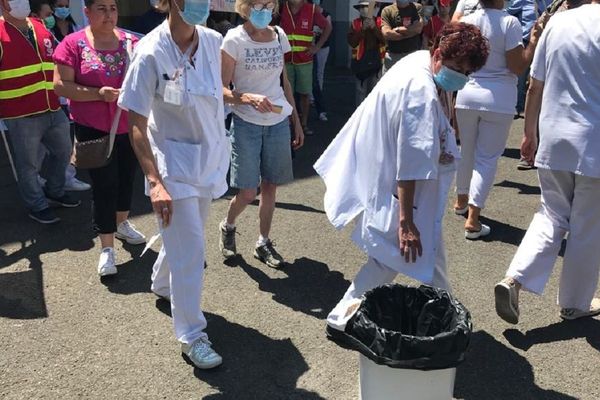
(186, 56)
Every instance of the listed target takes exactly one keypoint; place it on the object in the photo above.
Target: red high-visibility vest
(301, 35)
(26, 73)
(359, 51)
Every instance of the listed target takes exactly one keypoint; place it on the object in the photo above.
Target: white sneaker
(75, 185)
(323, 117)
(126, 231)
(106, 264)
(201, 354)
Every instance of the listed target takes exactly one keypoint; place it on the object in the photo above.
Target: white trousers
(179, 268)
(570, 203)
(374, 274)
(322, 56)
(483, 136)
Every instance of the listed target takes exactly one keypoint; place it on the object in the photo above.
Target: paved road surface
(64, 334)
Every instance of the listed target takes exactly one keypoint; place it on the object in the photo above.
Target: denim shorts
(260, 153)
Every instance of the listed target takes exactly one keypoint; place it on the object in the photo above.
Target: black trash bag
(422, 328)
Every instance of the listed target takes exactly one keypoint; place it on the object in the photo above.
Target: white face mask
(363, 11)
(19, 9)
(154, 3)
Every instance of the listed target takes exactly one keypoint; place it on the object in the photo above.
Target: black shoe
(45, 216)
(65, 201)
(227, 242)
(267, 254)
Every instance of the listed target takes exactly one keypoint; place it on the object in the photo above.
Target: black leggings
(112, 185)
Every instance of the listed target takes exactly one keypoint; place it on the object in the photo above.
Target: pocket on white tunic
(183, 162)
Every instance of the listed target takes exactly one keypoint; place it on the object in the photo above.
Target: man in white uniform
(391, 166)
(566, 96)
(174, 94)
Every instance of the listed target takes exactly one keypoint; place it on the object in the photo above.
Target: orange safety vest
(26, 73)
(359, 51)
(300, 36)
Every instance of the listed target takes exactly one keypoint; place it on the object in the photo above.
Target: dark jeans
(112, 185)
(27, 135)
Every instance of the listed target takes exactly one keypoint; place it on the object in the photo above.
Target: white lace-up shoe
(126, 231)
(201, 354)
(106, 264)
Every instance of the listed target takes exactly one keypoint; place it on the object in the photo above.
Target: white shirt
(467, 7)
(493, 87)
(393, 135)
(567, 60)
(188, 140)
(258, 68)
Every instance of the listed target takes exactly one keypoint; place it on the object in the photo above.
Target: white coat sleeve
(417, 156)
(140, 85)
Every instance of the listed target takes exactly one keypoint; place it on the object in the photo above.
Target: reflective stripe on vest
(24, 91)
(300, 37)
(30, 69)
(26, 71)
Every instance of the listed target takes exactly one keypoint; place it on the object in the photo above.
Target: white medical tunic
(394, 135)
(567, 60)
(188, 140)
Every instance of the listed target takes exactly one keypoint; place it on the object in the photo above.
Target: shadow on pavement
(587, 328)
(309, 286)
(134, 275)
(522, 187)
(502, 232)
(512, 153)
(22, 294)
(493, 371)
(255, 366)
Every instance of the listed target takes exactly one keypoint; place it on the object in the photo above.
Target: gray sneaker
(574, 313)
(507, 299)
(267, 254)
(201, 354)
(227, 242)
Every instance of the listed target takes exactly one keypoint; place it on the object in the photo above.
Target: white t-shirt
(258, 67)
(493, 87)
(188, 140)
(467, 7)
(567, 60)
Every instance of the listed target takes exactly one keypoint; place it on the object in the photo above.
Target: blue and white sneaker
(201, 354)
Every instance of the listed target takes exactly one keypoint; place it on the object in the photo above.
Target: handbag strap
(117, 118)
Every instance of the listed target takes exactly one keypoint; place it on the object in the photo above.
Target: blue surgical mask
(195, 11)
(507, 4)
(317, 2)
(450, 80)
(62, 12)
(260, 19)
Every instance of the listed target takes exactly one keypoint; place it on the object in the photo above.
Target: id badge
(173, 93)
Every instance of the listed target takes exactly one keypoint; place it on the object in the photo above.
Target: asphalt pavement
(66, 334)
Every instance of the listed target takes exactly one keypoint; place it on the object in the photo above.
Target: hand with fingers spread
(259, 102)
(410, 241)
(162, 204)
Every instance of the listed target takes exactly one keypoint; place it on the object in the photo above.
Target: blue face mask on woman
(62, 12)
(260, 19)
(317, 2)
(195, 12)
(450, 80)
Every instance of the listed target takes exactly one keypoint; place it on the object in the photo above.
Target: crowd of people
(436, 95)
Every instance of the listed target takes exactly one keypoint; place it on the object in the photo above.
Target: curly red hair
(462, 43)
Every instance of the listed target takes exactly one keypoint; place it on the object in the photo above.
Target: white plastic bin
(379, 382)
